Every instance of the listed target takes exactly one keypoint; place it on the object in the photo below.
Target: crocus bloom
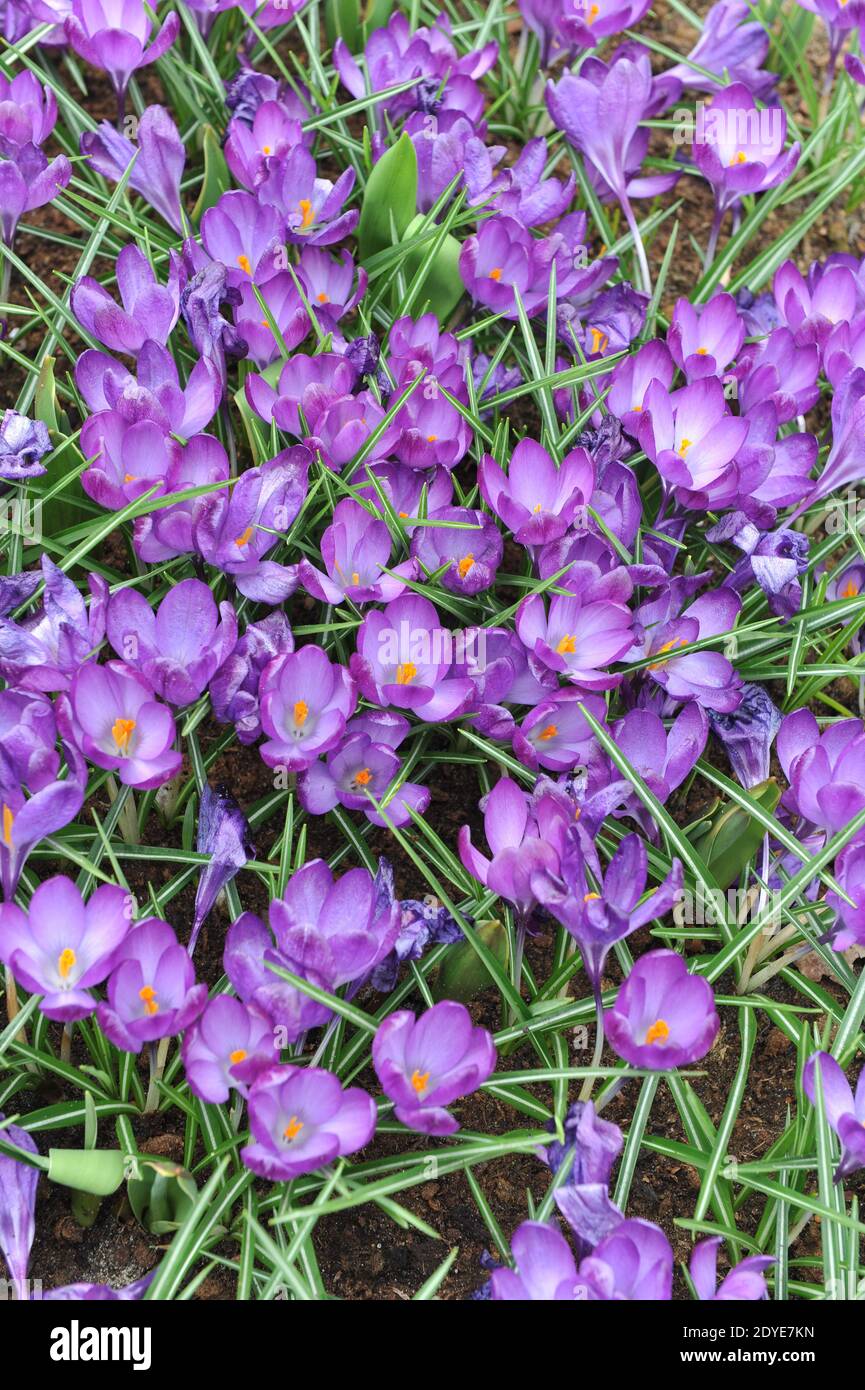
(739, 148)
(18, 1183)
(537, 501)
(337, 928)
(777, 370)
(27, 819)
(245, 235)
(826, 771)
(117, 722)
(705, 676)
(634, 1263)
(597, 920)
(306, 702)
(704, 341)
(663, 1016)
(223, 833)
(745, 1282)
(234, 688)
(249, 950)
(503, 259)
(149, 310)
(158, 167)
(226, 1048)
(847, 455)
(555, 733)
(99, 1293)
(152, 991)
(124, 461)
(115, 35)
(61, 947)
(28, 110)
(44, 651)
(844, 1111)
(234, 530)
(178, 646)
(355, 549)
(526, 835)
(163, 534)
(300, 1118)
(426, 1063)
(311, 206)
(404, 658)
(302, 382)
(747, 734)
(23, 445)
(545, 1267)
(727, 45)
(282, 297)
(28, 731)
(362, 767)
(211, 334)
(632, 377)
(811, 308)
(28, 180)
(249, 148)
(471, 556)
(154, 392)
(581, 635)
(849, 930)
(692, 439)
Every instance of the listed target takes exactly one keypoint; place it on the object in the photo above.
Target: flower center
(65, 962)
(243, 262)
(265, 149)
(684, 447)
(405, 673)
(850, 591)
(701, 352)
(739, 158)
(599, 338)
(594, 11)
(667, 647)
(659, 1031)
(292, 1129)
(306, 211)
(355, 578)
(244, 537)
(568, 645)
(591, 897)
(364, 777)
(549, 732)
(148, 994)
(419, 1081)
(465, 565)
(431, 438)
(121, 732)
(321, 297)
(496, 273)
(8, 822)
(301, 711)
(238, 1055)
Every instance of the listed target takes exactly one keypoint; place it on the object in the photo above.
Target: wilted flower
(23, 445)
(61, 947)
(747, 734)
(234, 687)
(663, 1016)
(224, 834)
(44, 651)
(18, 1183)
(158, 168)
(300, 1118)
(426, 1063)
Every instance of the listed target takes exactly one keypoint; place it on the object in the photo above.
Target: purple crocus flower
(28, 180)
(747, 734)
(740, 149)
(28, 110)
(405, 658)
(305, 702)
(115, 35)
(471, 556)
(526, 836)
(99, 1293)
(403, 488)
(124, 461)
(745, 1283)
(27, 819)
(163, 534)
(249, 949)
(61, 947)
(336, 929)
(704, 676)
(18, 1183)
(355, 549)
(537, 501)
(450, 147)
(555, 733)
(844, 1111)
(778, 370)
(234, 531)
(312, 206)
(846, 459)
(152, 991)
(634, 1263)
(248, 237)
(364, 765)
(692, 439)
(158, 168)
(826, 771)
(44, 651)
(584, 1198)
(153, 393)
(811, 307)
(250, 148)
(28, 732)
(210, 332)
(545, 1268)
(727, 45)
(300, 1118)
(224, 834)
(849, 929)
(632, 377)
(581, 635)
(283, 299)
(149, 310)
(333, 288)
(504, 259)
(234, 687)
(23, 445)
(597, 920)
(116, 721)
(432, 432)
(426, 1063)
(663, 1016)
(702, 342)
(178, 646)
(226, 1048)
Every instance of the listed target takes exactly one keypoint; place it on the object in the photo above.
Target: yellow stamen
(238, 1055)
(549, 732)
(496, 272)
(301, 710)
(265, 149)
(322, 297)
(684, 447)
(659, 1032)
(292, 1129)
(65, 962)
(591, 897)
(850, 590)
(739, 158)
(667, 647)
(567, 646)
(431, 438)
(244, 537)
(537, 507)
(148, 994)
(129, 478)
(363, 777)
(465, 565)
(594, 11)
(355, 578)
(599, 338)
(121, 732)
(8, 822)
(243, 262)
(405, 673)
(307, 212)
(419, 1081)
(701, 352)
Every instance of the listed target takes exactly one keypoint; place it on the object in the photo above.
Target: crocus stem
(640, 249)
(229, 436)
(66, 1042)
(13, 1008)
(712, 246)
(588, 1084)
(520, 926)
(157, 1067)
